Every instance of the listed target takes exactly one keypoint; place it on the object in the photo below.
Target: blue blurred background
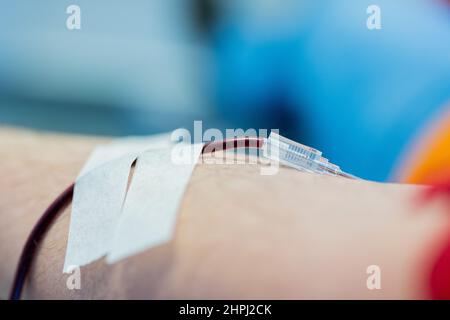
(308, 67)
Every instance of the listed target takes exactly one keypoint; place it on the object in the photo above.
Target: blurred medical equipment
(299, 156)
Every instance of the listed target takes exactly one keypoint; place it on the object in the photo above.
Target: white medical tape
(99, 194)
(151, 208)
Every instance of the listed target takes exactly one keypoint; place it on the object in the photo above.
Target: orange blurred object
(432, 159)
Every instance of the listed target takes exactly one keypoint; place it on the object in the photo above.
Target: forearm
(239, 234)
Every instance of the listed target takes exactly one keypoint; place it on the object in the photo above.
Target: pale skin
(239, 234)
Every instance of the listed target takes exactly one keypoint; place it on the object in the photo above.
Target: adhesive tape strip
(150, 211)
(99, 194)
(97, 200)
